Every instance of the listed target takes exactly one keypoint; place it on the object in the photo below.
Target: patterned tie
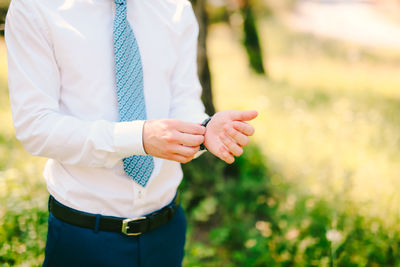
(129, 78)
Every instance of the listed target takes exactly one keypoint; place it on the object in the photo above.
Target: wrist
(144, 137)
(204, 123)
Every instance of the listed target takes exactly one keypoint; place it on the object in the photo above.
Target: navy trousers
(68, 245)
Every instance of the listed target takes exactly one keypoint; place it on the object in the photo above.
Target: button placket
(139, 198)
(141, 194)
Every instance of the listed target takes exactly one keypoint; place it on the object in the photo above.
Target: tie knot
(120, 2)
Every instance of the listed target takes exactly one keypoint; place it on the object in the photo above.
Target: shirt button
(140, 195)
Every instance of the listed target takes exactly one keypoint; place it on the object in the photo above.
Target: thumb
(246, 115)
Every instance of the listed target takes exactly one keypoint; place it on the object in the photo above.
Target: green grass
(329, 133)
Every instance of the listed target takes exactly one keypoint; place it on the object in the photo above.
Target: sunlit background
(319, 184)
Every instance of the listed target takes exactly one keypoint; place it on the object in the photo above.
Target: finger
(186, 151)
(189, 139)
(244, 128)
(246, 115)
(234, 148)
(225, 155)
(240, 138)
(180, 158)
(190, 128)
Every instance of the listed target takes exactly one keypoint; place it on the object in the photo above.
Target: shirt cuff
(128, 138)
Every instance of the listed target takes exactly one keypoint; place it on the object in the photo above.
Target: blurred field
(329, 114)
(329, 130)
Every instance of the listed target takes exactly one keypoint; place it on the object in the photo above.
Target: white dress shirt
(64, 102)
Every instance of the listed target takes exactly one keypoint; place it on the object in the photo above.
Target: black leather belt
(132, 226)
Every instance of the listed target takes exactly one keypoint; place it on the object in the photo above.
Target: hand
(227, 133)
(172, 139)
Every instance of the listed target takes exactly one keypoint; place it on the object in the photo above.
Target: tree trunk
(251, 40)
(202, 59)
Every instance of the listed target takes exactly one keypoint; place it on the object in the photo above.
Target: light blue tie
(129, 78)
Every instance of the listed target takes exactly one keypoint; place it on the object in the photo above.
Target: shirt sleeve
(186, 88)
(34, 86)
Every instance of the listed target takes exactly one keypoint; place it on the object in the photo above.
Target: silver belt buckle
(125, 225)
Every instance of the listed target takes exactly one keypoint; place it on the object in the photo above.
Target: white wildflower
(334, 236)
